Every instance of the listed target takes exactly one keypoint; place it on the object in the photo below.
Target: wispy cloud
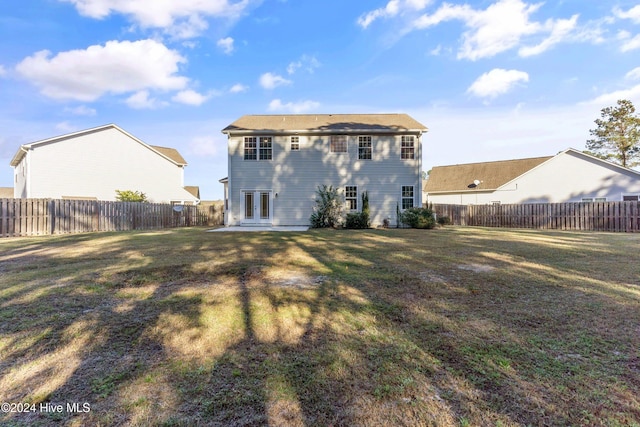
(142, 101)
(503, 25)
(307, 63)
(81, 110)
(271, 81)
(497, 82)
(226, 45)
(292, 107)
(238, 88)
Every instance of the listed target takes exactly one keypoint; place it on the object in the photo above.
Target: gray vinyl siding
(296, 175)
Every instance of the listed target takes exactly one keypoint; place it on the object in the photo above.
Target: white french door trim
(262, 209)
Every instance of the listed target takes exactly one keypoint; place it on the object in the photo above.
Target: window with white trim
(250, 148)
(594, 199)
(338, 143)
(364, 147)
(295, 143)
(407, 149)
(630, 197)
(407, 196)
(351, 197)
(266, 148)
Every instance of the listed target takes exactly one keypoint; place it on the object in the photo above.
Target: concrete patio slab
(259, 228)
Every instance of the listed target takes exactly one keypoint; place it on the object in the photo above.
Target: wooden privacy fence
(586, 216)
(36, 217)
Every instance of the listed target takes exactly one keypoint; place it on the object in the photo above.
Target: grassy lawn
(449, 327)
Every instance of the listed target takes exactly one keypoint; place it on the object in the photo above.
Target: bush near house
(130, 196)
(327, 212)
(418, 218)
(360, 220)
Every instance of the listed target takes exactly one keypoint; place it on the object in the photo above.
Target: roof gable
(170, 154)
(325, 123)
(492, 175)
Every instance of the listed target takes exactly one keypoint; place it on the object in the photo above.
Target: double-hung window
(407, 196)
(407, 149)
(338, 143)
(364, 147)
(266, 148)
(351, 197)
(250, 148)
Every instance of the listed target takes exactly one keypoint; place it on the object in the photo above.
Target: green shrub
(444, 220)
(130, 196)
(356, 220)
(328, 209)
(418, 218)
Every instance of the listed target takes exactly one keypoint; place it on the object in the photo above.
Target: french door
(257, 207)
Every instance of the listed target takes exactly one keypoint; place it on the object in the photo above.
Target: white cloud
(633, 14)
(141, 101)
(503, 25)
(238, 88)
(271, 81)
(306, 62)
(183, 19)
(393, 8)
(630, 44)
(632, 93)
(559, 30)
(3, 71)
(497, 82)
(81, 110)
(292, 107)
(65, 127)
(205, 146)
(633, 74)
(116, 67)
(226, 45)
(190, 97)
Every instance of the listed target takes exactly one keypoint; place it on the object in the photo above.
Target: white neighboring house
(570, 176)
(94, 163)
(277, 162)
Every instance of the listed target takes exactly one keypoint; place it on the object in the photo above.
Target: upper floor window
(407, 196)
(266, 148)
(630, 197)
(258, 148)
(250, 148)
(407, 150)
(351, 197)
(295, 143)
(364, 147)
(338, 143)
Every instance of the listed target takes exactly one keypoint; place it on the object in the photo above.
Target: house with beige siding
(569, 176)
(94, 163)
(277, 163)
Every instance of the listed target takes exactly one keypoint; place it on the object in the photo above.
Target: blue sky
(492, 80)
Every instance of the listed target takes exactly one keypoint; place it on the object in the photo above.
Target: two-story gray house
(277, 162)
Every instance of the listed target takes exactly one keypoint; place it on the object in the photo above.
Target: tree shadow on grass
(350, 338)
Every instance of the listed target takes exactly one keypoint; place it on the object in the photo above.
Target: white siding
(97, 164)
(296, 175)
(568, 177)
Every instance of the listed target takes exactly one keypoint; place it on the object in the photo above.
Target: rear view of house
(277, 162)
(94, 163)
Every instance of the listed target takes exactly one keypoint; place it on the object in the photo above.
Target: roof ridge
(495, 161)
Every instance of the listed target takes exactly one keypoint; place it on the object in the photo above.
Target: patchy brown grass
(449, 327)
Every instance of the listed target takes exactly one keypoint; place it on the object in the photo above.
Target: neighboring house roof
(325, 123)
(170, 154)
(491, 174)
(194, 190)
(224, 180)
(6, 192)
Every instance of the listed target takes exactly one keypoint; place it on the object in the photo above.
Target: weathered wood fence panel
(582, 216)
(35, 217)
